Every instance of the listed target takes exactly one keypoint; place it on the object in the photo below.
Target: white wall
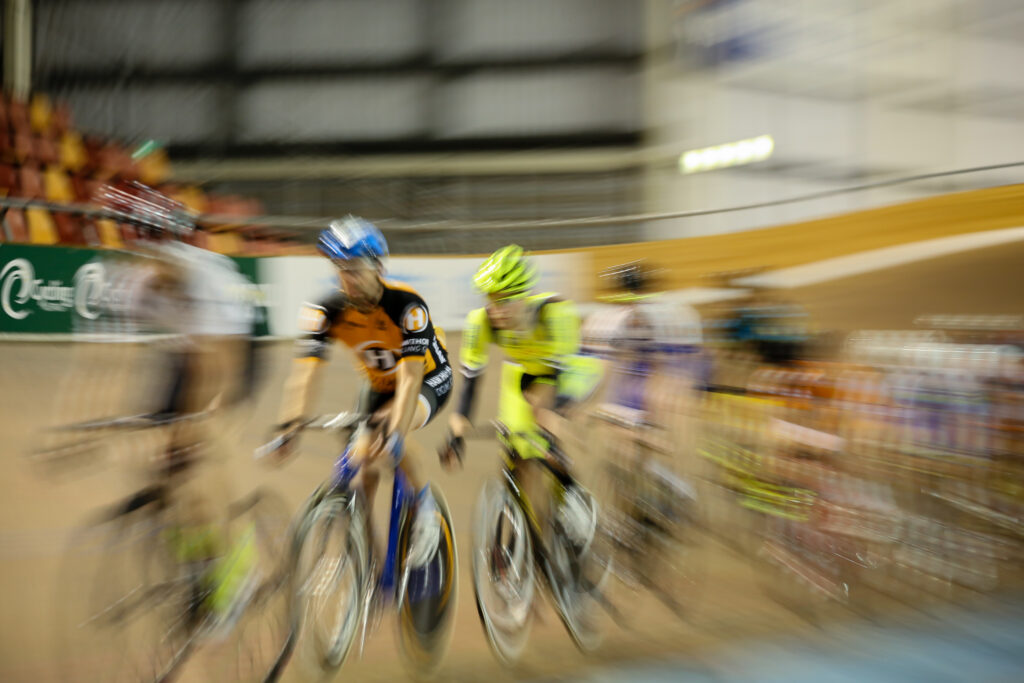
(852, 91)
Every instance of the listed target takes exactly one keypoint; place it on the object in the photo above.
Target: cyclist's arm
(476, 338)
(299, 390)
(312, 346)
(413, 318)
(410, 379)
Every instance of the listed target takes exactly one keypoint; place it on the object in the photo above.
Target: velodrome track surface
(36, 513)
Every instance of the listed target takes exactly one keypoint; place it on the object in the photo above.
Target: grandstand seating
(16, 230)
(44, 157)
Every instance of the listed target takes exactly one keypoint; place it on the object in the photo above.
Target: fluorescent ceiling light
(726, 155)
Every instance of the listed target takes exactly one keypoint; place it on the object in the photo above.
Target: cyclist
(546, 376)
(388, 327)
(192, 295)
(653, 345)
(654, 349)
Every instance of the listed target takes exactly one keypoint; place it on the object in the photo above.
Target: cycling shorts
(434, 393)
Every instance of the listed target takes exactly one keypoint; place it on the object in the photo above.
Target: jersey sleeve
(476, 339)
(315, 323)
(417, 328)
(563, 331)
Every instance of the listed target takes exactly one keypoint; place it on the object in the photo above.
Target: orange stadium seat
(225, 243)
(24, 147)
(6, 144)
(16, 229)
(69, 228)
(41, 228)
(47, 151)
(72, 152)
(154, 168)
(114, 161)
(93, 151)
(90, 233)
(128, 233)
(8, 180)
(108, 234)
(62, 121)
(57, 185)
(17, 112)
(191, 196)
(31, 186)
(41, 114)
(82, 188)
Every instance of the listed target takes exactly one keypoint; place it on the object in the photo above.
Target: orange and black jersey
(398, 328)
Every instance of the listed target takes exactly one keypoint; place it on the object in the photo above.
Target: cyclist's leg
(195, 475)
(543, 399)
(551, 402)
(364, 441)
(552, 399)
(366, 480)
(425, 526)
(522, 397)
(433, 396)
(535, 483)
(374, 405)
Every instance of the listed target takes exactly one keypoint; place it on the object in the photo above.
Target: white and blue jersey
(641, 339)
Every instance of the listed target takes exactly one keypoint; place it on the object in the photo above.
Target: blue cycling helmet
(351, 238)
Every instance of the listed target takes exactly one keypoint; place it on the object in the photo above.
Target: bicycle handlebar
(328, 423)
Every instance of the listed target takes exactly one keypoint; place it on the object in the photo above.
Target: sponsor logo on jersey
(443, 376)
(415, 318)
(375, 356)
(415, 347)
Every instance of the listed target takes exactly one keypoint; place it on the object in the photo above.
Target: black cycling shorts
(434, 393)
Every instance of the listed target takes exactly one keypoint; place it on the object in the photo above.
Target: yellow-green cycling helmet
(507, 272)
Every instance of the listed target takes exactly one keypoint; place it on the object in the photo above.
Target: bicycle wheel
(428, 595)
(578, 582)
(671, 563)
(128, 609)
(503, 571)
(797, 570)
(331, 578)
(262, 640)
(627, 539)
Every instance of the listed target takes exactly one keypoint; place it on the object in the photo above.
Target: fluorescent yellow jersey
(542, 349)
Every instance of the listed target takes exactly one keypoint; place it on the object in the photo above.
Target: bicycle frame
(511, 459)
(401, 496)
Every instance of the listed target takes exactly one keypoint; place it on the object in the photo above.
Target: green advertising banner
(62, 290)
(252, 269)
